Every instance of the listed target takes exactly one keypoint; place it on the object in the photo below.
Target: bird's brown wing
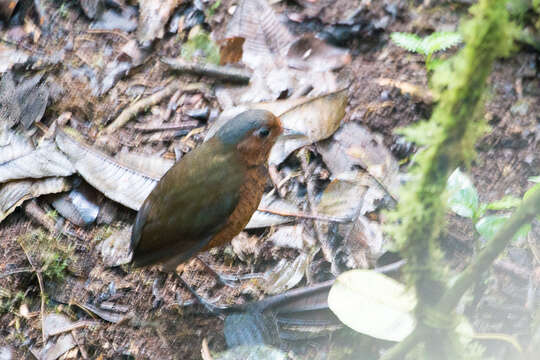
(189, 205)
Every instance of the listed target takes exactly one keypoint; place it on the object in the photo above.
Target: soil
(161, 326)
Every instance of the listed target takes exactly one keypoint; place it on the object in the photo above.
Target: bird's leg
(224, 279)
(214, 309)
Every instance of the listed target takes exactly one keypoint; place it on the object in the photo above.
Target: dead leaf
(116, 249)
(286, 274)
(13, 145)
(118, 182)
(153, 15)
(264, 35)
(54, 349)
(261, 219)
(79, 206)
(317, 119)
(292, 236)
(24, 102)
(311, 53)
(353, 146)
(364, 241)
(230, 50)
(44, 161)
(9, 56)
(14, 193)
(152, 165)
(342, 198)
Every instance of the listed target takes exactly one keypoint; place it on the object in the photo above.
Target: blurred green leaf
(489, 225)
(200, 47)
(410, 42)
(439, 41)
(373, 304)
(463, 197)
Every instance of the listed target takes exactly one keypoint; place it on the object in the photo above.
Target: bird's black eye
(263, 133)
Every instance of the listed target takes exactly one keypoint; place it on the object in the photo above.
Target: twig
(15, 271)
(304, 215)
(41, 290)
(205, 351)
(182, 126)
(141, 105)
(226, 73)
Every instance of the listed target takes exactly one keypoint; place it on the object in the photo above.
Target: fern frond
(410, 42)
(439, 41)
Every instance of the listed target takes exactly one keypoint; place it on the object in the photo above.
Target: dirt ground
(160, 326)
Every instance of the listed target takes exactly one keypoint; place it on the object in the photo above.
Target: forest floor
(158, 318)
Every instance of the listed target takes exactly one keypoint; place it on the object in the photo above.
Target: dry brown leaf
(286, 274)
(14, 193)
(118, 182)
(263, 219)
(292, 236)
(230, 50)
(343, 198)
(44, 161)
(153, 15)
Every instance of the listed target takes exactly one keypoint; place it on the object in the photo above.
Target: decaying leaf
(14, 193)
(116, 250)
(342, 198)
(292, 236)
(363, 239)
(255, 21)
(317, 119)
(353, 146)
(286, 274)
(254, 352)
(9, 56)
(373, 304)
(264, 219)
(153, 15)
(230, 50)
(44, 161)
(154, 166)
(54, 349)
(311, 53)
(13, 145)
(117, 181)
(24, 102)
(78, 206)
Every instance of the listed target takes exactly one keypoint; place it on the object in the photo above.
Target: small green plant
(463, 200)
(9, 301)
(427, 46)
(201, 47)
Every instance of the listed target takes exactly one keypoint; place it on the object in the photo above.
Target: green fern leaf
(410, 42)
(439, 41)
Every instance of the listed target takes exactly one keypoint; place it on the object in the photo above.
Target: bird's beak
(291, 133)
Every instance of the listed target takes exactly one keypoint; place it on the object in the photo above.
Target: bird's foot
(224, 279)
(209, 304)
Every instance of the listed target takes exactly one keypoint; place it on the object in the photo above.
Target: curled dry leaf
(118, 182)
(54, 349)
(14, 193)
(316, 119)
(153, 15)
(44, 161)
(286, 274)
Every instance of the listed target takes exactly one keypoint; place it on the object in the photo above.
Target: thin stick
(15, 271)
(184, 125)
(303, 215)
(42, 292)
(226, 73)
(143, 104)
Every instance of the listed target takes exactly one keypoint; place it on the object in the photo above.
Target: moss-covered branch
(449, 138)
(523, 215)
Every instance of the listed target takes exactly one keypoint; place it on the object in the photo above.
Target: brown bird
(207, 197)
